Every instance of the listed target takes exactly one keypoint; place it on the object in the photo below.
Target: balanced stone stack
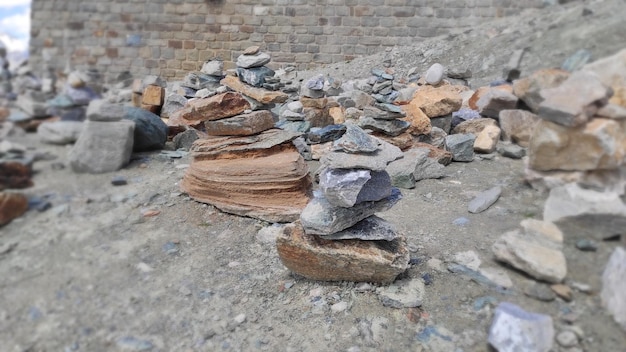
(153, 95)
(386, 121)
(382, 87)
(251, 67)
(292, 118)
(338, 236)
(71, 104)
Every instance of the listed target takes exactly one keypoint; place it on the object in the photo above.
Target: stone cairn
(245, 166)
(338, 236)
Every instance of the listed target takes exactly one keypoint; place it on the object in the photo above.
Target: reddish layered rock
(261, 95)
(241, 125)
(342, 260)
(208, 109)
(261, 176)
(12, 205)
(403, 140)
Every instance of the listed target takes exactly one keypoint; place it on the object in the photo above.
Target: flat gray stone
(249, 61)
(372, 228)
(516, 330)
(613, 292)
(389, 127)
(60, 132)
(376, 161)
(213, 68)
(355, 140)
(102, 110)
(407, 293)
(484, 200)
(320, 217)
(461, 146)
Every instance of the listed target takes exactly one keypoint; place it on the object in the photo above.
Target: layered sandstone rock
(208, 109)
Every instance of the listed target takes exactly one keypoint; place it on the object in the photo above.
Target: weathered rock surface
(150, 130)
(612, 72)
(613, 292)
(255, 60)
(438, 101)
(376, 160)
(487, 140)
(241, 125)
(420, 123)
(461, 146)
(59, 132)
(575, 101)
(474, 126)
(347, 187)
(598, 144)
(494, 101)
(12, 206)
(406, 293)
(528, 89)
(102, 146)
(344, 260)
(320, 217)
(389, 127)
(371, 228)
(261, 176)
(484, 200)
(15, 174)
(207, 109)
(517, 126)
(516, 330)
(403, 141)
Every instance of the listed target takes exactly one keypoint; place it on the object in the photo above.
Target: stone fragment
(438, 101)
(317, 103)
(529, 89)
(443, 157)
(347, 187)
(487, 140)
(484, 200)
(494, 101)
(12, 206)
(585, 213)
(598, 144)
(185, 139)
(612, 111)
(150, 131)
(461, 146)
(517, 126)
(563, 291)
(209, 109)
(213, 67)
(464, 114)
(389, 127)
(346, 260)
(613, 292)
(371, 228)
(320, 217)
(254, 76)
(575, 101)
(442, 122)
(15, 174)
(514, 329)
(102, 146)
(255, 60)
(474, 126)
(241, 125)
(261, 176)
(326, 134)
(497, 275)
(153, 95)
(406, 293)
(577, 60)
(375, 161)
(511, 70)
(261, 95)
(531, 256)
(420, 123)
(539, 292)
(59, 132)
(81, 95)
(612, 72)
(403, 141)
(173, 102)
(355, 140)
(434, 74)
(338, 114)
(436, 137)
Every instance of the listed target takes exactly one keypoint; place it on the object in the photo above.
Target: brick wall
(173, 37)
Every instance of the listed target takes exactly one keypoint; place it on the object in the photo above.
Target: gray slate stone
(389, 127)
(516, 330)
(613, 292)
(150, 130)
(512, 151)
(347, 187)
(326, 134)
(213, 68)
(376, 161)
(254, 76)
(443, 122)
(173, 102)
(484, 200)
(32, 105)
(372, 228)
(102, 147)
(320, 217)
(102, 110)
(407, 293)
(249, 61)
(60, 132)
(185, 139)
(415, 166)
(461, 146)
(355, 140)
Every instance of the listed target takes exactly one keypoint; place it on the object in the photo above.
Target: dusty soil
(93, 274)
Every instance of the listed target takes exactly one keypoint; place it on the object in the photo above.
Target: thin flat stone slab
(389, 127)
(345, 260)
(255, 60)
(514, 329)
(484, 200)
(376, 161)
(241, 125)
(207, 109)
(234, 146)
(371, 228)
(322, 218)
(613, 292)
(355, 140)
(269, 184)
(528, 89)
(263, 96)
(347, 187)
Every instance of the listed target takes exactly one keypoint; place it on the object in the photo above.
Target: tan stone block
(487, 139)
(420, 123)
(153, 95)
(438, 101)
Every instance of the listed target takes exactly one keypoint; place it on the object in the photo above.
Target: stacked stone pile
(339, 237)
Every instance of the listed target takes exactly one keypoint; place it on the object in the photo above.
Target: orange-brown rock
(341, 260)
(403, 140)
(528, 89)
(155, 109)
(207, 109)
(338, 114)
(261, 176)
(4, 113)
(420, 123)
(241, 125)
(15, 174)
(438, 101)
(487, 139)
(153, 95)
(444, 157)
(598, 144)
(318, 103)
(12, 205)
(263, 96)
(318, 117)
(482, 90)
(474, 126)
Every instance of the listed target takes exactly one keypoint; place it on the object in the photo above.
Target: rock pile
(338, 236)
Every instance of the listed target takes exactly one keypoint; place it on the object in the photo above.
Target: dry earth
(94, 274)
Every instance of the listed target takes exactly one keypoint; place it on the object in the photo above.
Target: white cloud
(17, 25)
(13, 44)
(14, 3)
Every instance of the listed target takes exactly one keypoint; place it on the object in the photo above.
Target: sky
(15, 24)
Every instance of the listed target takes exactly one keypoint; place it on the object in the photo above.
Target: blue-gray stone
(484, 200)
(372, 228)
(514, 329)
(390, 107)
(198, 80)
(347, 187)
(464, 114)
(377, 160)
(389, 127)
(377, 72)
(355, 140)
(326, 134)
(294, 126)
(60, 101)
(81, 95)
(461, 146)
(377, 113)
(577, 60)
(254, 76)
(315, 83)
(150, 130)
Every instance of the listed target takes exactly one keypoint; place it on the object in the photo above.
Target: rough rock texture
(15, 174)
(474, 126)
(438, 101)
(150, 130)
(389, 127)
(403, 141)
(461, 146)
(599, 144)
(102, 146)
(376, 160)
(12, 205)
(487, 140)
(102, 110)
(261, 176)
(420, 123)
(263, 96)
(515, 330)
(612, 72)
(415, 166)
(528, 89)
(613, 292)
(241, 125)
(347, 187)
(484, 200)
(60, 132)
(343, 260)
(494, 101)
(581, 213)
(207, 109)
(517, 126)
(371, 228)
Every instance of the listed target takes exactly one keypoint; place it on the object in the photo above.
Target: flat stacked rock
(338, 236)
(251, 69)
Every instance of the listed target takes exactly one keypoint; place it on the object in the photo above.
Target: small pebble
(339, 307)
(119, 181)
(567, 339)
(587, 245)
(239, 319)
(462, 221)
(427, 279)
(563, 291)
(581, 287)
